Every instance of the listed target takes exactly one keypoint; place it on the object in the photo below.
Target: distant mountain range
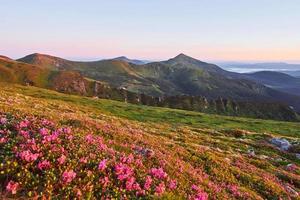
(134, 61)
(181, 76)
(290, 69)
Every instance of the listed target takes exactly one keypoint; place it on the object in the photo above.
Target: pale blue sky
(240, 30)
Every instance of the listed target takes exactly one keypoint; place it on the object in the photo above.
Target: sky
(216, 30)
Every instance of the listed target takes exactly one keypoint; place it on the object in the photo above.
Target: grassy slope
(199, 144)
(154, 114)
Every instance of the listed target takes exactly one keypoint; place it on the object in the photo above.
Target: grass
(153, 114)
(195, 148)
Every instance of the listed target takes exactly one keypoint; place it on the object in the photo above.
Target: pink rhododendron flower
(78, 193)
(83, 160)
(12, 187)
(89, 138)
(24, 124)
(61, 160)
(44, 131)
(235, 190)
(173, 184)
(3, 120)
(148, 183)
(201, 196)
(123, 171)
(67, 130)
(130, 183)
(102, 165)
(28, 156)
(160, 189)
(3, 140)
(25, 134)
(104, 181)
(158, 173)
(43, 165)
(195, 187)
(68, 176)
(46, 122)
(50, 138)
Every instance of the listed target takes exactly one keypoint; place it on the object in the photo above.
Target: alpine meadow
(128, 99)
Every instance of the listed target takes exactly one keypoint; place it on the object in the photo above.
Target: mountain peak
(125, 59)
(182, 58)
(37, 58)
(122, 57)
(4, 58)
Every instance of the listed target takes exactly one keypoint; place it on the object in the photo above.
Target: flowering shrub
(40, 159)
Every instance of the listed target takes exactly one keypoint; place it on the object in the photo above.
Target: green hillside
(181, 75)
(205, 155)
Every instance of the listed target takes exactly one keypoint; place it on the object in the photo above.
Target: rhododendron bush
(40, 159)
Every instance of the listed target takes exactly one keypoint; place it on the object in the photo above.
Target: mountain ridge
(182, 78)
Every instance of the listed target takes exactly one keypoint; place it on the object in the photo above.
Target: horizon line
(90, 59)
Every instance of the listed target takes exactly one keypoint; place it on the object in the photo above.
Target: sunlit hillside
(63, 146)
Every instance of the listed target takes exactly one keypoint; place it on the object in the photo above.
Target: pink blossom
(173, 184)
(3, 140)
(25, 134)
(44, 131)
(160, 189)
(68, 176)
(201, 196)
(234, 190)
(50, 138)
(148, 183)
(61, 160)
(28, 156)
(12, 187)
(3, 120)
(123, 171)
(195, 187)
(24, 124)
(104, 181)
(46, 122)
(130, 183)
(102, 165)
(43, 165)
(158, 173)
(78, 193)
(67, 130)
(83, 160)
(89, 138)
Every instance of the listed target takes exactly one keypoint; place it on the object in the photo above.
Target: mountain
(180, 82)
(134, 61)
(4, 58)
(277, 80)
(274, 66)
(181, 75)
(293, 73)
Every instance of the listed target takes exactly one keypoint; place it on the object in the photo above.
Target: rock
(283, 144)
(291, 167)
(251, 152)
(298, 155)
(144, 152)
(263, 157)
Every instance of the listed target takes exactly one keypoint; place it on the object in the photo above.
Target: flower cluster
(43, 160)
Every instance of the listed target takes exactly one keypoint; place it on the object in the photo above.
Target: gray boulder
(283, 144)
